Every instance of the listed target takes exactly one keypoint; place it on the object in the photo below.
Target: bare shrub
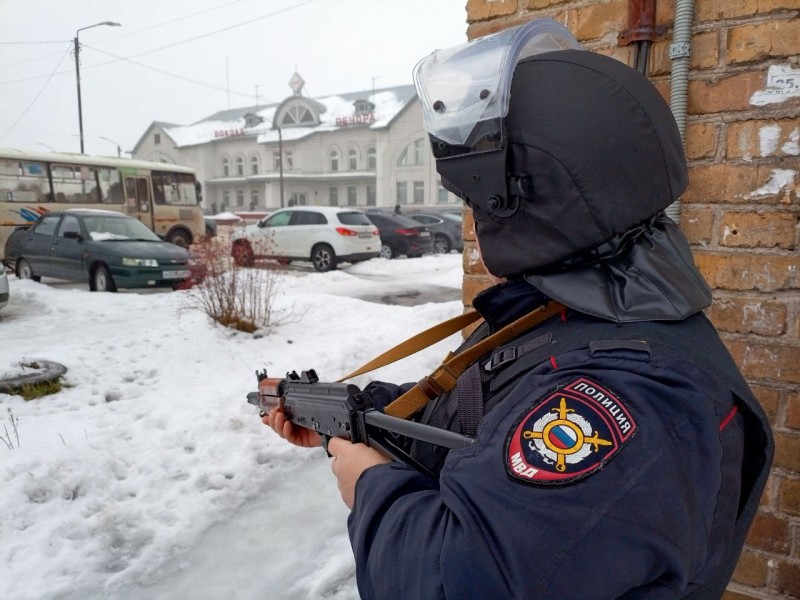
(232, 293)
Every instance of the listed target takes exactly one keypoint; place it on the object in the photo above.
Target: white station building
(362, 149)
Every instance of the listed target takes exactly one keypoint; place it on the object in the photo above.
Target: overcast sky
(182, 60)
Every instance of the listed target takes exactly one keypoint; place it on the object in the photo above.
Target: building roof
(334, 110)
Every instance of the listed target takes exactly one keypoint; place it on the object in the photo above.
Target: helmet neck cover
(588, 157)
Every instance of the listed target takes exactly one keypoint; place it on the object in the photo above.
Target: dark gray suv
(446, 229)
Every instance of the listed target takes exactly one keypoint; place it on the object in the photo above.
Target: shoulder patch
(568, 435)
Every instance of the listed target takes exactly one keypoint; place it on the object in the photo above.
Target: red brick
(789, 496)
(742, 271)
(751, 570)
(479, 10)
(787, 579)
(770, 399)
(735, 595)
(471, 260)
(769, 533)
(476, 30)
(724, 94)
(697, 225)
(540, 4)
(716, 10)
(472, 286)
(701, 140)
(771, 362)
(469, 226)
(762, 138)
(721, 183)
(773, 39)
(749, 315)
(769, 497)
(758, 230)
(787, 451)
(595, 21)
(793, 410)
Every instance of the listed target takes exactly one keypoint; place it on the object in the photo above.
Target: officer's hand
(349, 461)
(299, 436)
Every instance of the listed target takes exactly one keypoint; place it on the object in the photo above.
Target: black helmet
(575, 171)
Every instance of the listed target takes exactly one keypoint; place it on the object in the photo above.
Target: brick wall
(740, 215)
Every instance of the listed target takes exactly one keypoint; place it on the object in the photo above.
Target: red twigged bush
(230, 293)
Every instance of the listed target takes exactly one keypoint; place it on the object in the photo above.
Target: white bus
(162, 196)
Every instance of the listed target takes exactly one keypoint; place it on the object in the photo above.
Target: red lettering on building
(224, 133)
(365, 119)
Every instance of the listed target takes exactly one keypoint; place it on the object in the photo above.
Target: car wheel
(102, 281)
(243, 254)
(323, 257)
(25, 271)
(441, 245)
(387, 251)
(179, 238)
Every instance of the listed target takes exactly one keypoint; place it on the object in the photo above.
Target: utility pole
(78, 71)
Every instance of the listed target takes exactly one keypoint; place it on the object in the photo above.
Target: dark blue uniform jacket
(627, 467)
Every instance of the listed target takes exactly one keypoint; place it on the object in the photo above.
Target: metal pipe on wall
(680, 52)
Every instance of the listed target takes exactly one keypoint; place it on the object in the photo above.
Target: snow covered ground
(149, 476)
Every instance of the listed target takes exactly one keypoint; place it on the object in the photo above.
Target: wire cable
(24, 112)
(175, 20)
(174, 44)
(181, 77)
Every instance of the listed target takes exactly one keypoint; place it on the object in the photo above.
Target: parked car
(446, 230)
(4, 289)
(109, 250)
(211, 227)
(401, 235)
(324, 235)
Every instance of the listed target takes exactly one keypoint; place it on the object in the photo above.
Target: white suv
(324, 235)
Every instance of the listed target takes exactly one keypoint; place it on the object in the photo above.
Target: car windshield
(103, 228)
(353, 218)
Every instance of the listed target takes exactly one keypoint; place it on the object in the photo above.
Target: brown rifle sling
(444, 378)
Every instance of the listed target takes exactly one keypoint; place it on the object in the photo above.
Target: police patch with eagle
(568, 435)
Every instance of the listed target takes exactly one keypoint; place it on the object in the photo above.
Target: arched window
(254, 165)
(297, 115)
(352, 159)
(226, 167)
(372, 159)
(413, 154)
(333, 160)
(240, 166)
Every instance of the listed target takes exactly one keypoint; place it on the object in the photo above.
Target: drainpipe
(679, 53)
(642, 30)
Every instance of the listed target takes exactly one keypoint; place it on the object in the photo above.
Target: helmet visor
(465, 85)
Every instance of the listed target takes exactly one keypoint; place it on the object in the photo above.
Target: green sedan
(109, 250)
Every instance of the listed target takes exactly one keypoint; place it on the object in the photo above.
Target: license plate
(424, 234)
(176, 274)
(364, 234)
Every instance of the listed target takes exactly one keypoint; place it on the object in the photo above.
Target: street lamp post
(119, 148)
(78, 71)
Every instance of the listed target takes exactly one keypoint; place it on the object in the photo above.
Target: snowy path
(253, 554)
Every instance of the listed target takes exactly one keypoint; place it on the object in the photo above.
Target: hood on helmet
(595, 150)
(573, 201)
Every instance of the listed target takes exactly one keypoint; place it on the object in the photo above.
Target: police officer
(619, 452)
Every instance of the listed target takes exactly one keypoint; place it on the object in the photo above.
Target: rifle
(343, 410)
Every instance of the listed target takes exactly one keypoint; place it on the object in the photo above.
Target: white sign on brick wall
(783, 82)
